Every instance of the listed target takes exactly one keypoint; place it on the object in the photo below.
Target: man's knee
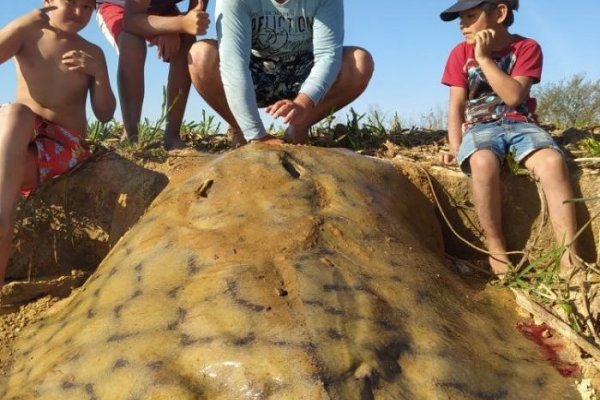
(360, 64)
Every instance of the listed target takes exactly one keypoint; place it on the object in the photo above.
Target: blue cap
(464, 5)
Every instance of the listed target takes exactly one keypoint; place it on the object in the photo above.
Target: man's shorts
(279, 79)
(502, 137)
(110, 18)
(59, 150)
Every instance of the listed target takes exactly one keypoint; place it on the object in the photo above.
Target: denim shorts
(502, 137)
(278, 79)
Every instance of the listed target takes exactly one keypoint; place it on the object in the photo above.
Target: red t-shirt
(523, 57)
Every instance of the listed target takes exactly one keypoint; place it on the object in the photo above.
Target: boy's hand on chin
(483, 44)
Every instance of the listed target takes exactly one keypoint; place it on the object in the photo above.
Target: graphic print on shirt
(483, 104)
(277, 33)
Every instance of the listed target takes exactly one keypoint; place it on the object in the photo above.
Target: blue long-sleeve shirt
(271, 30)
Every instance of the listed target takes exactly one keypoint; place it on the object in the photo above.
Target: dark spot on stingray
(89, 390)
(186, 340)
(117, 338)
(282, 343)
(117, 311)
(422, 296)
(333, 334)
(137, 293)
(120, 363)
(172, 294)
(156, 365)
(192, 265)
(96, 292)
(333, 311)
(74, 357)
(66, 385)
(113, 271)
(387, 325)
(365, 289)
(91, 313)
(474, 394)
(540, 381)
(245, 341)
(336, 288)
(27, 352)
(397, 279)
(315, 303)
(128, 250)
(250, 306)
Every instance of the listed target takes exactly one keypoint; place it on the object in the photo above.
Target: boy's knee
(20, 113)
(550, 164)
(484, 163)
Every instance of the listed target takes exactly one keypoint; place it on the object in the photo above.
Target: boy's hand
(448, 157)
(483, 44)
(80, 61)
(168, 46)
(268, 139)
(196, 21)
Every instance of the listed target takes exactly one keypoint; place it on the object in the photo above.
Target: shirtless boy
(42, 134)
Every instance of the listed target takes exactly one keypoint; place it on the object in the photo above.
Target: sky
(409, 44)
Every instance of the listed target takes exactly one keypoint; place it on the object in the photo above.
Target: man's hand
(80, 61)
(447, 157)
(292, 111)
(167, 46)
(195, 21)
(483, 44)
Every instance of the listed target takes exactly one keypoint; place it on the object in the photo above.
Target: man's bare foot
(269, 139)
(296, 135)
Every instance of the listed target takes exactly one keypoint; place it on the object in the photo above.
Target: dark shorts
(279, 79)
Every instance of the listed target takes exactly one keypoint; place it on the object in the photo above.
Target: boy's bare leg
(485, 170)
(550, 167)
(130, 79)
(206, 77)
(355, 74)
(178, 90)
(18, 168)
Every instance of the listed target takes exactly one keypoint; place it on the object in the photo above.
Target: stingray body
(281, 273)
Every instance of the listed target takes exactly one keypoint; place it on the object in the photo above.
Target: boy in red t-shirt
(491, 113)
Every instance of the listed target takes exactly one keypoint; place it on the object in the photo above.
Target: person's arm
(137, 20)
(512, 90)
(234, 31)
(328, 39)
(93, 63)
(13, 35)
(456, 118)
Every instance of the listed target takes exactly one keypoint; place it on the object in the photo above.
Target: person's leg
(178, 90)
(130, 80)
(487, 197)
(18, 168)
(206, 77)
(355, 74)
(550, 167)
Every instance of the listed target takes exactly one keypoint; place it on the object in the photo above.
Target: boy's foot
(174, 144)
(499, 265)
(125, 138)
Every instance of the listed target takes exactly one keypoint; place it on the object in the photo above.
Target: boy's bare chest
(42, 63)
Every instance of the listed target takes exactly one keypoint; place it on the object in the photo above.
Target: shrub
(573, 103)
